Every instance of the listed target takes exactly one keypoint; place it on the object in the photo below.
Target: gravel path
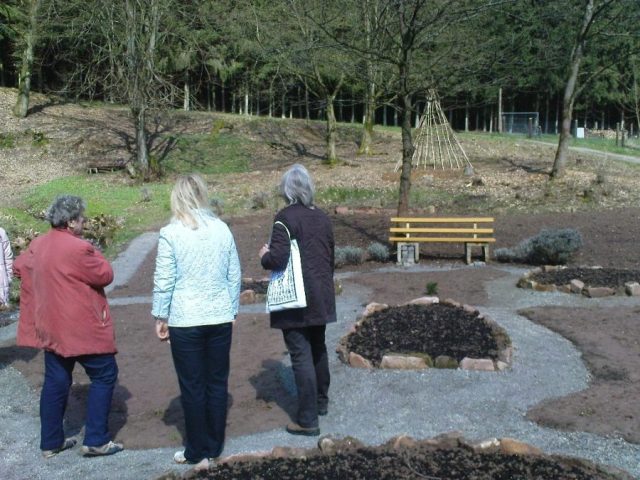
(370, 405)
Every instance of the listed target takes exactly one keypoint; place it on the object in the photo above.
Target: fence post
(617, 132)
(530, 128)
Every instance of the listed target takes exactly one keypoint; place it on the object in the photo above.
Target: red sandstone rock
(358, 361)
(515, 447)
(373, 307)
(598, 292)
(481, 364)
(247, 296)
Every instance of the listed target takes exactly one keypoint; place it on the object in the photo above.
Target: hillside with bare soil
(60, 139)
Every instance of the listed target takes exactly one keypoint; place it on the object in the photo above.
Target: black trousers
(201, 358)
(310, 365)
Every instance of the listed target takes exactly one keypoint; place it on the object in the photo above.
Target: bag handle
(285, 227)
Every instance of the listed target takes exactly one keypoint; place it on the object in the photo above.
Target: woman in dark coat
(303, 329)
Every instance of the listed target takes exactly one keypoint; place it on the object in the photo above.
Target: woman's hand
(263, 250)
(162, 330)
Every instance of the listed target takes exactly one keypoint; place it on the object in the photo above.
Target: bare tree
(611, 19)
(28, 36)
(115, 47)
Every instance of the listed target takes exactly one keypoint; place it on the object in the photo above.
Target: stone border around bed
(575, 286)
(330, 445)
(400, 361)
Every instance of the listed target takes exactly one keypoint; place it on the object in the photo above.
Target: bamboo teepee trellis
(436, 144)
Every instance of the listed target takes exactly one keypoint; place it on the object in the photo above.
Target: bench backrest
(442, 229)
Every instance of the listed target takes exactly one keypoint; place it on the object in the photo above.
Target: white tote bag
(286, 287)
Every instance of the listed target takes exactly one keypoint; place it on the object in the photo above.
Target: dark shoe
(295, 429)
(106, 449)
(322, 411)
(68, 443)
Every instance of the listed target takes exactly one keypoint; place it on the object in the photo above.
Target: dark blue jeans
(201, 358)
(103, 372)
(310, 365)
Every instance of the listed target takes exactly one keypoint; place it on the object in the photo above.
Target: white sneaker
(203, 464)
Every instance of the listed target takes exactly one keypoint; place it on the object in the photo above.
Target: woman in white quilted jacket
(196, 292)
(6, 267)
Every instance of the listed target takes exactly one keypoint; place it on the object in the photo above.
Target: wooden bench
(472, 231)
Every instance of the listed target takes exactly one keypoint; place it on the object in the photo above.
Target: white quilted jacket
(197, 278)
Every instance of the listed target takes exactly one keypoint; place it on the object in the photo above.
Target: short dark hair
(64, 209)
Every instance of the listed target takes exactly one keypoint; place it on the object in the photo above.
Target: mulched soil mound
(420, 462)
(437, 329)
(593, 277)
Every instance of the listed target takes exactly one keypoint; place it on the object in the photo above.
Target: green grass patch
(7, 140)
(211, 153)
(139, 207)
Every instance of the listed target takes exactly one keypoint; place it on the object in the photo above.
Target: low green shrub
(348, 256)
(39, 139)
(101, 229)
(378, 252)
(431, 288)
(549, 247)
(260, 201)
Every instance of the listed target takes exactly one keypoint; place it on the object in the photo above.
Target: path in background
(591, 151)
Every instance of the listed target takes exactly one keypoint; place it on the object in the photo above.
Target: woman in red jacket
(64, 311)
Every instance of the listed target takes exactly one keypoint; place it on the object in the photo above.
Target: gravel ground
(370, 405)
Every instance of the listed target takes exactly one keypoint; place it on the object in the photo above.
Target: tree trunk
(142, 153)
(186, 103)
(560, 161)
(306, 103)
(407, 156)
(369, 120)
(332, 158)
(21, 107)
(636, 92)
(500, 110)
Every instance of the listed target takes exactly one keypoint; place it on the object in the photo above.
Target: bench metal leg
(467, 251)
(404, 246)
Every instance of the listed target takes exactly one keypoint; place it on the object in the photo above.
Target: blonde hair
(189, 195)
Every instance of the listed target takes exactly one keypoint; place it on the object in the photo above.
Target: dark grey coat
(311, 227)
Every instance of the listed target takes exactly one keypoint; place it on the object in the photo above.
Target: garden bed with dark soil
(592, 277)
(404, 458)
(438, 333)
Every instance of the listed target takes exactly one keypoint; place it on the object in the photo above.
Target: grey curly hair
(64, 209)
(297, 186)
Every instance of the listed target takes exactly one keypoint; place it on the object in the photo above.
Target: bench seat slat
(440, 230)
(442, 239)
(442, 220)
